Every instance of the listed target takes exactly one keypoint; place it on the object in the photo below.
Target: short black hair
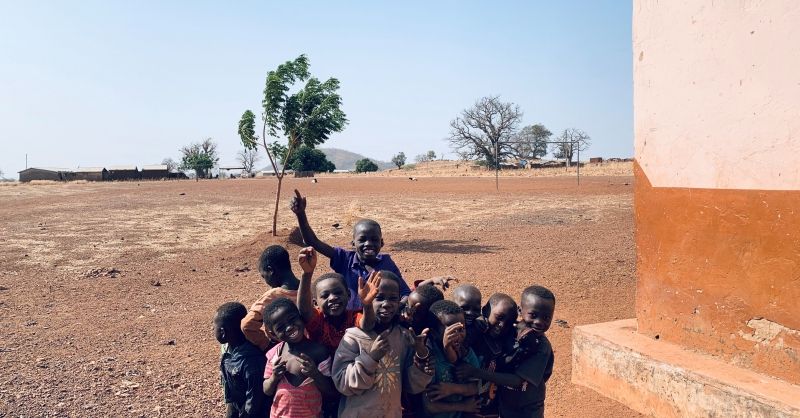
(539, 291)
(467, 289)
(331, 275)
(429, 294)
(275, 257)
(230, 314)
(276, 305)
(445, 307)
(495, 299)
(370, 222)
(386, 274)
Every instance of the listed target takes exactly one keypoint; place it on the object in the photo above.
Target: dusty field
(79, 342)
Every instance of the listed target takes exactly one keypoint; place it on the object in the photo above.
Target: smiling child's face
(287, 325)
(367, 241)
(331, 297)
(537, 313)
(501, 318)
(387, 301)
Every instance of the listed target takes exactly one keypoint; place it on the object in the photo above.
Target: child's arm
(466, 371)
(252, 327)
(310, 238)
(353, 370)
(271, 382)
(309, 368)
(367, 290)
(308, 262)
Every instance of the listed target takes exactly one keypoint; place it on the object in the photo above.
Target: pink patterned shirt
(295, 401)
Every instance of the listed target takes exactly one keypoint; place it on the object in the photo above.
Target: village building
(155, 172)
(123, 172)
(91, 173)
(44, 173)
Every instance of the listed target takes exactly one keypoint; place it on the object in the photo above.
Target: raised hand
(419, 342)
(380, 346)
(407, 315)
(368, 289)
(298, 204)
(453, 336)
(279, 369)
(443, 281)
(308, 367)
(308, 259)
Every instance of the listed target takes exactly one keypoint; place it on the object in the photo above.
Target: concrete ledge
(665, 380)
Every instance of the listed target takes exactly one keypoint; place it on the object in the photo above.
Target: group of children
(358, 342)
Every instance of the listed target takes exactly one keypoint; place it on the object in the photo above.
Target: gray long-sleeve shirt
(372, 388)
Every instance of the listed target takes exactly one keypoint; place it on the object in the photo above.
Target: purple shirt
(346, 263)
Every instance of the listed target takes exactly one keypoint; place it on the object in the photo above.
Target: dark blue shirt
(346, 263)
(242, 370)
(535, 368)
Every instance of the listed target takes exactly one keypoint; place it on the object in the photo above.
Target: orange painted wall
(719, 272)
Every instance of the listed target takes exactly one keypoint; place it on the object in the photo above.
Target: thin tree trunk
(277, 203)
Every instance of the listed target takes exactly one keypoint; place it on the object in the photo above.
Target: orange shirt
(253, 323)
(322, 331)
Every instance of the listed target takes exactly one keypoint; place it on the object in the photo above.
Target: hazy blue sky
(119, 82)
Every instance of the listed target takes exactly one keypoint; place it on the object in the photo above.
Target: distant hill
(343, 160)
(346, 160)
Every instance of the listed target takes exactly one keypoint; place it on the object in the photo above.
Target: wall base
(665, 380)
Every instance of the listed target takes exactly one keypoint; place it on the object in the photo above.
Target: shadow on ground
(445, 246)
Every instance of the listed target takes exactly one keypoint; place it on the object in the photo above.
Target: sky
(100, 83)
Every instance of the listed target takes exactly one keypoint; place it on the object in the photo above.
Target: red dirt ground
(78, 342)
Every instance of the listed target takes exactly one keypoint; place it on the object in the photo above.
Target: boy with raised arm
(352, 264)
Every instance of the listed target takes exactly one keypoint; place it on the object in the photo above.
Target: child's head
(448, 313)
(425, 295)
(227, 322)
(536, 308)
(468, 297)
(500, 312)
(283, 320)
(331, 294)
(273, 264)
(367, 240)
(387, 302)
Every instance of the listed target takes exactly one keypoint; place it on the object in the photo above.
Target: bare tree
(248, 158)
(483, 130)
(569, 142)
(171, 164)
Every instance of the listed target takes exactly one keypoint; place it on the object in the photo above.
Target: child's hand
(380, 346)
(465, 371)
(279, 369)
(443, 281)
(308, 367)
(407, 315)
(453, 336)
(298, 203)
(471, 405)
(439, 391)
(527, 338)
(368, 289)
(418, 341)
(308, 259)
(480, 324)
